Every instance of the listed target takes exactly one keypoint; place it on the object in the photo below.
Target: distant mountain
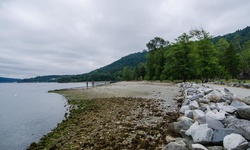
(8, 80)
(48, 78)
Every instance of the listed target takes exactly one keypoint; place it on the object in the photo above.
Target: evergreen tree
(180, 61)
(231, 61)
(208, 62)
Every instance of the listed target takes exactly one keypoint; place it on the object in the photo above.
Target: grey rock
(215, 147)
(229, 120)
(235, 142)
(184, 108)
(242, 126)
(212, 123)
(198, 114)
(183, 124)
(246, 85)
(200, 133)
(225, 107)
(198, 147)
(193, 105)
(220, 133)
(207, 91)
(238, 104)
(202, 100)
(247, 100)
(244, 112)
(175, 146)
(185, 102)
(226, 98)
(216, 115)
(189, 113)
(227, 91)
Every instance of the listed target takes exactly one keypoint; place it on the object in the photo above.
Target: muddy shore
(124, 115)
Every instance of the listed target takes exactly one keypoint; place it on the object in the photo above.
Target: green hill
(242, 36)
(111, 72)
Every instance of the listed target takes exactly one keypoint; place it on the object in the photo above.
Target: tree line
(194, 55)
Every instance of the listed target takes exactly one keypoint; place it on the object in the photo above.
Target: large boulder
(244, 112)
(242, 126)
(238, 104)
(235, 142)
(200, 133)
(212, 123)
(220, 133)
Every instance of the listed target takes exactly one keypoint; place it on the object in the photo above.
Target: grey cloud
(71, 37)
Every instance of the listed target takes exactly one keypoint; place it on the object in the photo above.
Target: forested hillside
(196, 55)
(111, 72)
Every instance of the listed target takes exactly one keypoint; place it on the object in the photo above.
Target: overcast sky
(45, 37)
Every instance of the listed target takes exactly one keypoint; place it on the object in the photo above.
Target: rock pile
(239, 84)
(211, 119)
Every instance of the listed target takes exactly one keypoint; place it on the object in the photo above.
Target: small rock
(198, 114)
(189, 113)
(244, 112)
(193, 105)
(226, 98)
(202, 100)
(247, 100)
(215, 147)
(184, 108)
(216, 115)
(226, 108)
(169, 139)
(183, 124)
(174, 146)
(198, 147)
(235, 142)
(207, 91)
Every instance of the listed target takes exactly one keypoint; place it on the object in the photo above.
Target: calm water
(27, 112)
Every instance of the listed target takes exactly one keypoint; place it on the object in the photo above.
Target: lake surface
(28, 111)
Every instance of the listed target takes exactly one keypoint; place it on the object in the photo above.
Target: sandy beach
(123, 115)
(148, 90)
